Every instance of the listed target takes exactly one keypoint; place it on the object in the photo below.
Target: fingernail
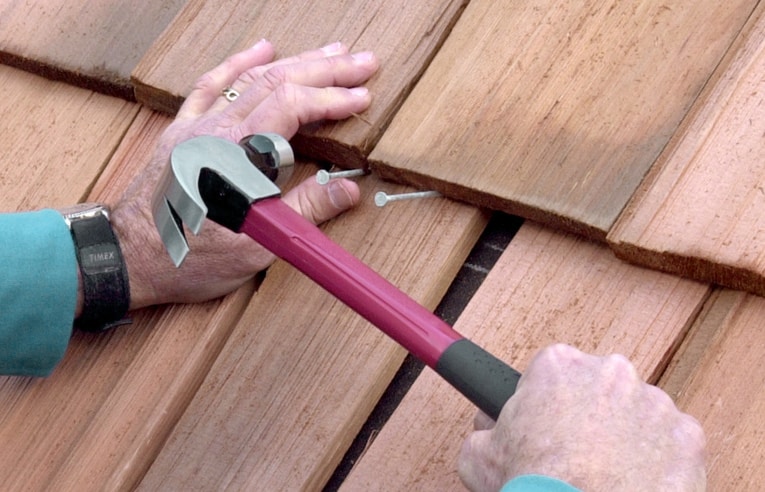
(333, 49)
(363, 56)
(359, 91)
(338, 195)
(260, 43)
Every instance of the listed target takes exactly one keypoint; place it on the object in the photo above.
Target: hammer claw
(179, 201)
(171, 231)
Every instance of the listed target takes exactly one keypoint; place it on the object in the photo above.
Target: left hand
(275, 96)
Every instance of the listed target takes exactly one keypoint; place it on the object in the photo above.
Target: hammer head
(210, 176)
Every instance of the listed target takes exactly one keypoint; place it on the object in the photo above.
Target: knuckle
(284, 93)
(205, 82)
(618, 360)
(695, 432)
(229, 62)
(309, 206)
(554, 356)
(559, 351)
(660, 400)
(621, 366)
(333, 63)
(287, 96)
(275, 77)
(620, 378)
(246, 78)
(211, 126)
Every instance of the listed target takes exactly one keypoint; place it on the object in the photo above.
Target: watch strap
(105, 283)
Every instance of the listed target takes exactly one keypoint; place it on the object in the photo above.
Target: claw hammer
(231, 184)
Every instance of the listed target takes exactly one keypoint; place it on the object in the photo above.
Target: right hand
(589, 421)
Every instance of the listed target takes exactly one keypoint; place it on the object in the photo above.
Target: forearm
(42, 293)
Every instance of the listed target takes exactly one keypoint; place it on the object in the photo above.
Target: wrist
(136, 245)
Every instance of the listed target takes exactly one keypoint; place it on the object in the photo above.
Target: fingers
(209, 86)
(334, 71)
(333, 49)
(279, 96)
(287, 96)
(254, 78)
(319, 203)
(291, 106)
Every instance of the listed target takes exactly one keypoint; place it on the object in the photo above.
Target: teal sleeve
(537, 483)
(38, 292)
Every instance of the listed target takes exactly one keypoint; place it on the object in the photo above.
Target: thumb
(319, 203)
(474, 465)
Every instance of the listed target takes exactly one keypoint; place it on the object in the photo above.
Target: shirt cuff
(537, 483)
(38, 291)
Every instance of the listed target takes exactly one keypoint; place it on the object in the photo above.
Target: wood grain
(57, 139)
(90, 43)
(723, 390)
(301, 372)
(699, 213)
(556, 110)
(403, 34)
(546, 288)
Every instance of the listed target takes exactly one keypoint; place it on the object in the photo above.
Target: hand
(274, 97)
(589, 421)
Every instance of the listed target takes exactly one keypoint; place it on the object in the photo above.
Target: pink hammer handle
(484, 379)
(291, 237)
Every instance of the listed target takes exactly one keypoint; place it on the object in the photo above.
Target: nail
(363, 56)
(323, 177)
(382, 198)
(260, 43)
(359, 91)
(333, 49)
(339, 196)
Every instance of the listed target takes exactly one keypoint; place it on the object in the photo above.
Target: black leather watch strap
(106, 288)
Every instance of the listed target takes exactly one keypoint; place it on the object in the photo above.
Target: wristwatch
(105, 284)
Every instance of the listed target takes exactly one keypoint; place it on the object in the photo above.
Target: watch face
(100, 258)
(83, 211)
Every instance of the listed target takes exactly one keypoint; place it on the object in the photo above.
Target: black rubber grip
(485, 380)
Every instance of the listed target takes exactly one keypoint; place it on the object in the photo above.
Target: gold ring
(230, 94)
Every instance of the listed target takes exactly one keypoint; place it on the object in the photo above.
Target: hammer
(233, 185)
